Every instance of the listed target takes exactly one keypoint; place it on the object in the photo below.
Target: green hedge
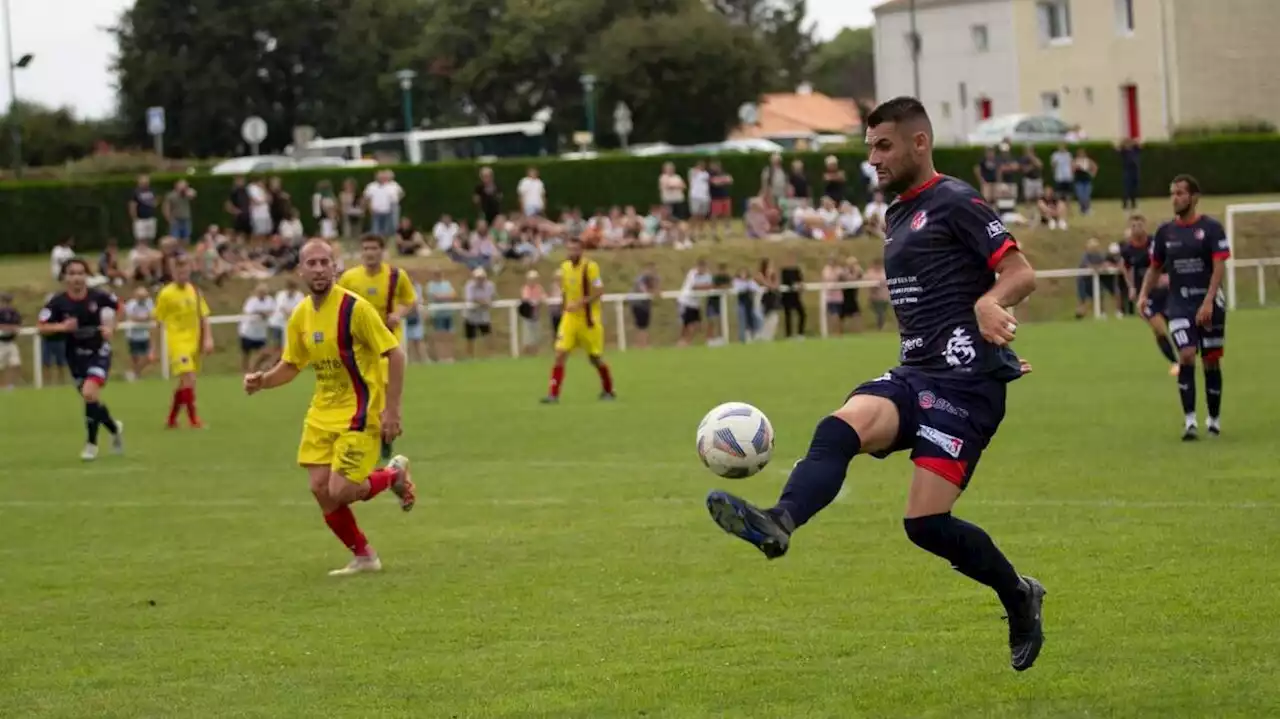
(34, 214)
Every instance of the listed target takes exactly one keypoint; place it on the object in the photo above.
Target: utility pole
(915, 49)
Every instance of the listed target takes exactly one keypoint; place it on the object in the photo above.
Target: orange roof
(791, 113)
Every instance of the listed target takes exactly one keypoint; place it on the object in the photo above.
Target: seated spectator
(757, 220)
(146, 262)
(850, 220)
(409, 241)
(291, 230)
(208, 264)
(1052, 209)
(482, 244)
(109, 264)
(445, 233)
(873, 215)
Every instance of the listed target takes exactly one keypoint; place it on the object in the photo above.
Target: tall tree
(784, 31)
(52, 136)
(844, 66)
(683, 75)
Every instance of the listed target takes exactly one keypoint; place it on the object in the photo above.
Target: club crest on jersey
(93, 306)
(372, 291)
(1199, 234)
(318, 337)
(918, 220)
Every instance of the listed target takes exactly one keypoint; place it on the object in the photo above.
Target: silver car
(1020, 130)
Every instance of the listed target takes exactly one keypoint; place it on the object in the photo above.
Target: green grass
(561, 564)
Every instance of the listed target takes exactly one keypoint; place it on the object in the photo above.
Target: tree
(683, 75)
(781, 27)
(845, 65)
(51, 136)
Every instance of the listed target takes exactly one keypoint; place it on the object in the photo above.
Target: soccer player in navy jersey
(1193, 249)
(86, 318)
(953, 272)
(1136, 254)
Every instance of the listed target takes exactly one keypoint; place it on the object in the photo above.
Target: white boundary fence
(619, 302)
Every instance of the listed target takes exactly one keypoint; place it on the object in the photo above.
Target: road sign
(254, 131)
(155, 121)
(749, 113)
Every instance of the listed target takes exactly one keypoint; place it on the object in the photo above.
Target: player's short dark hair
(1193, 185)
(62, 271)
(371, 237)
(899, 109)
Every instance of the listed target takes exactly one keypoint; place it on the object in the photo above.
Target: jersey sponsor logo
(929, 400)
(318, 337)
(912, 343)
(959, 350)
(372, 291)
(995, 228)
(919, 220)
(950, 445)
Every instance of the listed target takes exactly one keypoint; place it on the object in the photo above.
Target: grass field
(561, 564)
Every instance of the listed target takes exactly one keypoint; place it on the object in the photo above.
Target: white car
(253, 165)
(1019, 129)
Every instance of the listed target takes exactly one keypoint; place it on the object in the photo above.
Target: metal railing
(728, 298)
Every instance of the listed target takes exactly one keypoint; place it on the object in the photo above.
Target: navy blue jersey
(1137, 257)
(87, 338)
(1187, 253)
(145, 199)
(940, 252)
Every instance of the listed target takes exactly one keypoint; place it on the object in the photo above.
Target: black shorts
(1157, 303)
(946, 423)
(713, 308)
(248, 346)
(850, 308)
(242, 225)
(472, 330)
(678, 210)
(95, 367)
(1210, 341)
(642, 313)
(139, 348)
(690, 316)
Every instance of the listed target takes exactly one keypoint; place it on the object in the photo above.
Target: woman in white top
(140, 310)
(291, 229)
(256, 314)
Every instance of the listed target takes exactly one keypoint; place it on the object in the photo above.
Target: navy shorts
(1210, 341)
(945, 423)
(249, 346)
(1157, 303)
(139, 348)
(95, 367)
(642, 312)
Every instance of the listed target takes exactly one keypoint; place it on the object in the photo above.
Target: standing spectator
(63, 250)
(833, 181)
(1084, 169)
(286, 301)
(850, 308)
(382, 198)
(799, 192)
(874, 213)
(833, 273)
(1032, 175)
(139, 311)
(699, 197)
(879, 293)
(440, 291)
(177, 211)
(281, 203)
(1008, 175)
(793, 297)
(774, 183)
(477, 323)
(695, 280)
(1060, 161)
(260, 221)
(1130, 155)
(488, 196)
(1092, 259)
(414, 328)
(533, 194)
(770, 299)
(142, 210)
(671, 189)
(871, 180)
(642, 309)
(238, 205)
(10, 357)
(721, 281)
(745, 289)
(324, 210)
(352, 209)
(987, 173)
(53, 354)
(721, 202)
(256, 312)
(532, 298)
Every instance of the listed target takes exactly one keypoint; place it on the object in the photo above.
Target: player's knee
(874, 419)
(928, 532)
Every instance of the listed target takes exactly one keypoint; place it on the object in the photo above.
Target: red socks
(606, 379)
(379, 481)
(178, 394)
(557, 379)
(184, 397)
(191, 406)
(342, 522)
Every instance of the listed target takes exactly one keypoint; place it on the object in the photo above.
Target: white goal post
(1259, 265)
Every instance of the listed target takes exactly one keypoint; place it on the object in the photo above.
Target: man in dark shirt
(238, 207)
(487, 195)
(1136, 256)
(1129, 155)
(10, 357)
(86, 319)
(142, 210)
(953, 269)
(792, 296)
(1193, 250)
(721, 202)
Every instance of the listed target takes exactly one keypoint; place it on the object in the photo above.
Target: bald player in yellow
(184, 315)
(580, 323)
(389, 289)
(355, 406)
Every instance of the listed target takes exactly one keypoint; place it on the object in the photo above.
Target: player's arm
(112, 323)
(369, 330)
(206, 330)
(979, 227)
(406, 298)
(1156, 271)
(1221, 253)
(52, 320)
(595, 285)
(293, 359)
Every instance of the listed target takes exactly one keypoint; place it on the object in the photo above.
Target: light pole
(915, 49)
(406, 78)
(14, 129)
(589, 102)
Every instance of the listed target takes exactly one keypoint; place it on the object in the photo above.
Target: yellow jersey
(385, 289)
(180, 310)
(576, 283)
(344, 340)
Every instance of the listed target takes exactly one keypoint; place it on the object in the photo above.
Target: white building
(968, 62)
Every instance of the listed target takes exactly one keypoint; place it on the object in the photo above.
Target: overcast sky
(73, 49)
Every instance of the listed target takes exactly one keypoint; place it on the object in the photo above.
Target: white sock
(1191, 419)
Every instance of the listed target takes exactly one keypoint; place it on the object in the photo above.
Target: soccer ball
(735, 440)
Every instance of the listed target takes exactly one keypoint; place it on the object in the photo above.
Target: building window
(980, 41)
(1055, 20)
(1088, 95)
(1124, 17)
(1050, 103)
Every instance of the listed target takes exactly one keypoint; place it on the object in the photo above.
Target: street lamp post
(589, 102)
(406, 78)
(14, 129)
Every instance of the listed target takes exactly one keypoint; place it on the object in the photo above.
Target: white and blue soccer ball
(735, 440)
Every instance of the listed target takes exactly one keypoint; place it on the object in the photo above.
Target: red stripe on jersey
(347, 355)
(952, 470)
(1222, 255)
(586, 293)
(915, 191)
(391, 289)
(994, 259)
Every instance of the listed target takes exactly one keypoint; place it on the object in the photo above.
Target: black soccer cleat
(1026, 627)
(607, 396)
(766, 532)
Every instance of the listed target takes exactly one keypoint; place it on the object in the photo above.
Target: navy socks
(816, 480)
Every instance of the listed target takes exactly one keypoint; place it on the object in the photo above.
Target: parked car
(251, 165)
(1019, 129)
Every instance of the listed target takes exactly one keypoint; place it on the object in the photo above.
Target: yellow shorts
(351, 454)
(183, 359)
(574, 332)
